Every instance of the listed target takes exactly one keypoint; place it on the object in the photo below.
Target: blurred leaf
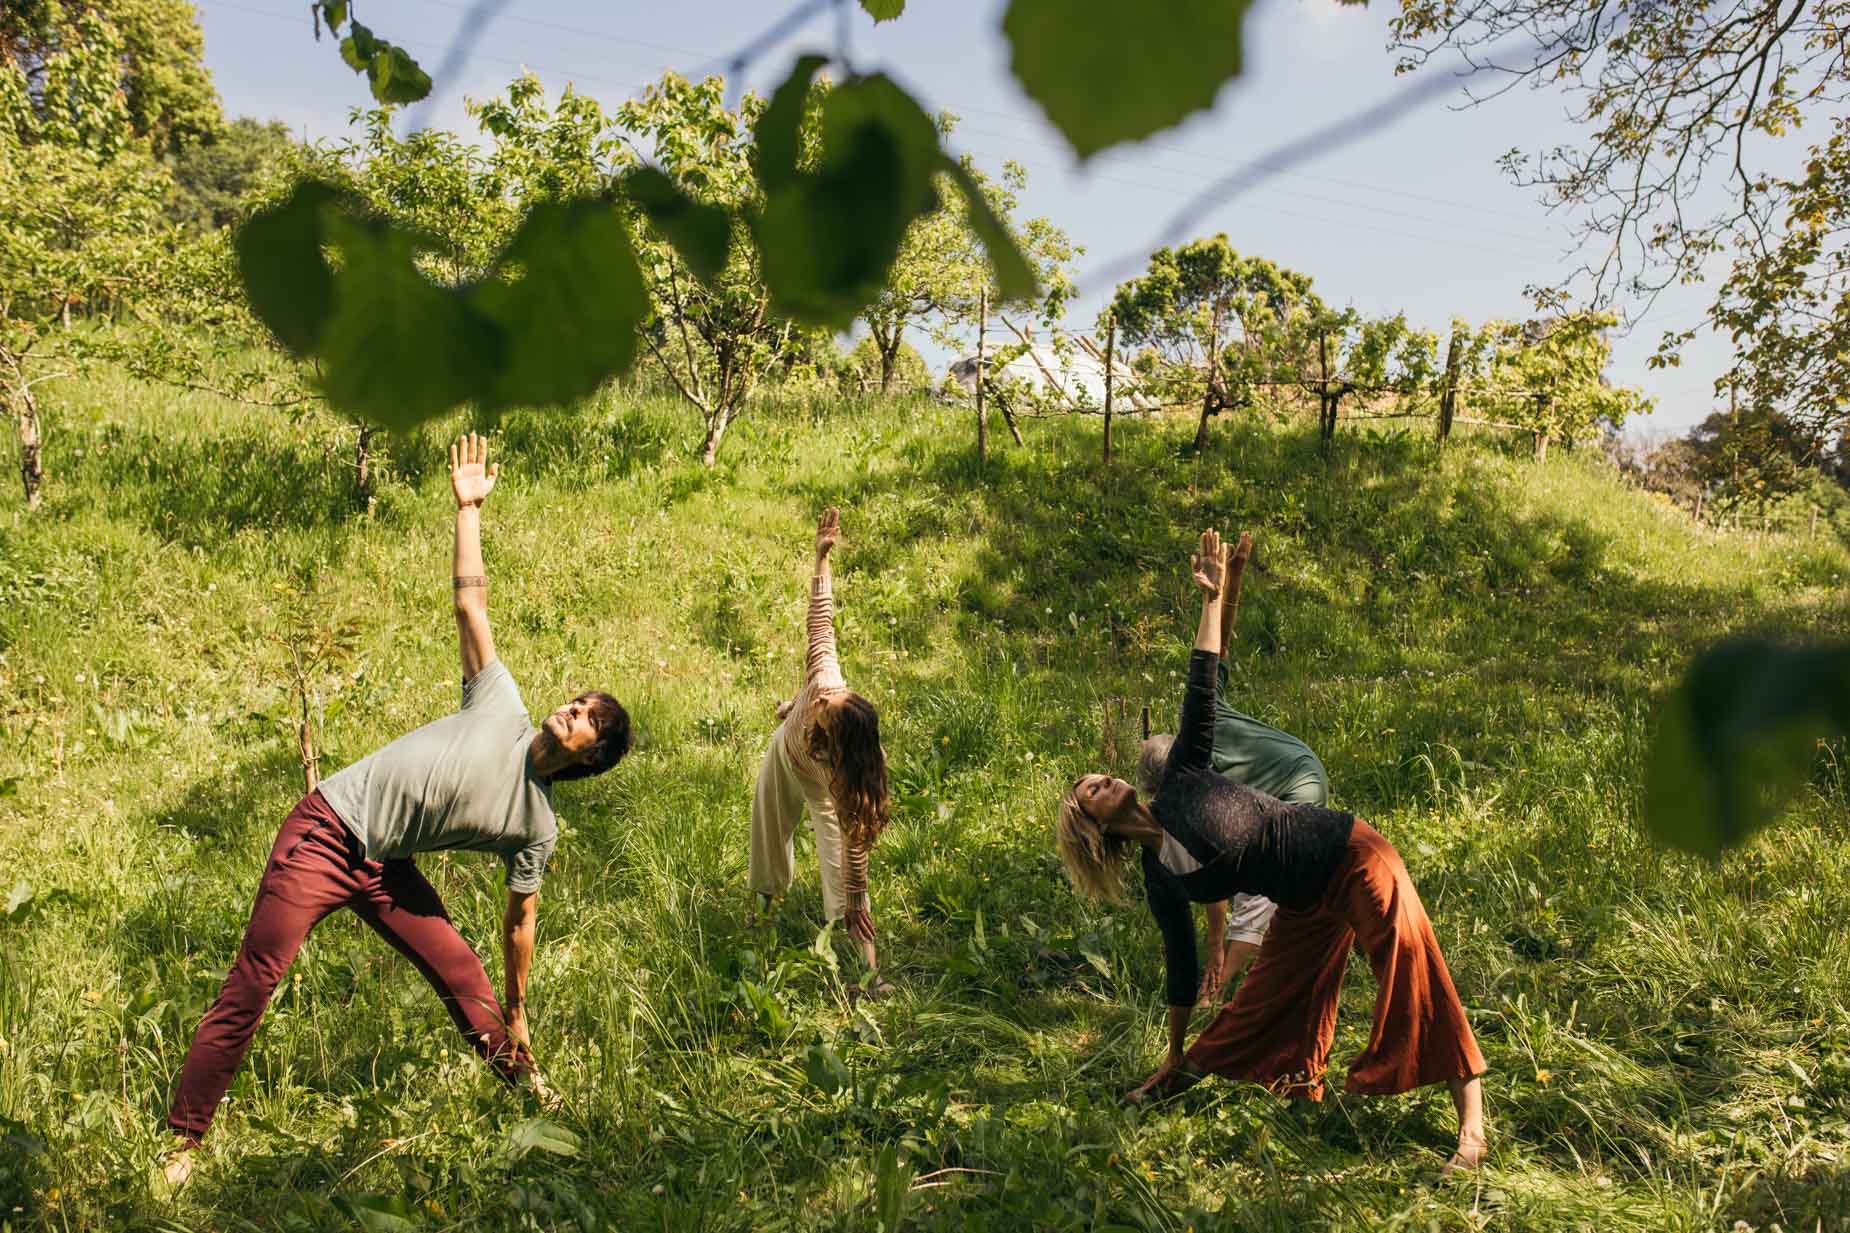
(359, 48)
(1107, 72)
(1098, 963)
(9, 786)
(540, 1135)
(285, 277)
(1738, 737)
(892, 1189)
(377, 1213)
(1014, 277)
(569, 321)
(825, 1069)
(778, 135)
(399, 349)
(827, 240)
(884, 10)
(700, 233)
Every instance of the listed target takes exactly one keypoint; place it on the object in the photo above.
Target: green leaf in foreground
(825, 1069)
(1738, 736)
(377, 1213)
(1014, 276)
(568, 321)
(540, 1135)
(777, 136)
(827, 240)
(700, 233)
(884, 10)
(399, 349)
(1107, 72)
(285, 276)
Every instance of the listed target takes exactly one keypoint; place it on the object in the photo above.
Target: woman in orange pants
(1338, 884)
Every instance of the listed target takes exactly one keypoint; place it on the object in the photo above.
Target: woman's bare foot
(1467, 1159)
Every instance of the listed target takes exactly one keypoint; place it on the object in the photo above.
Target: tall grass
(1470, 641)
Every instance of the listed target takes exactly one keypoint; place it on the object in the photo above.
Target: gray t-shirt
(458, 782)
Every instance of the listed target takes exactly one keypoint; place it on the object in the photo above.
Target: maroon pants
(1279, 1026)
(317, 867)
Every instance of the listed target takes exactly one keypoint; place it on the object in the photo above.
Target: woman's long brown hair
(846, 738)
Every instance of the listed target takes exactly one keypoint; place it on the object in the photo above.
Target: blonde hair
(1094, 860)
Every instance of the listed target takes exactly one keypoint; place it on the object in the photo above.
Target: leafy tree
(80, 195)
(1214, 323)
(868, 366)
(942, 267)
(1752, 456)
(1381, 357)
(1687, 108)
(151, 84)
(716, 338)
(1549, 375)
(213, 177)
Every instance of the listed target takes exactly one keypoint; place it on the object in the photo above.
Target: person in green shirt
(479, 779)
(1252, 752)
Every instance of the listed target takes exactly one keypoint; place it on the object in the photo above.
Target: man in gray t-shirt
(477, 780)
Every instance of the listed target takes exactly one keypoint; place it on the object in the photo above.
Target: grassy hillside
(1472, 643)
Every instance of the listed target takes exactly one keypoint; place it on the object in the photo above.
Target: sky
(1416, 218)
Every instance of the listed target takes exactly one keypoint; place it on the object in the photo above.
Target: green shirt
(1272, 761)
(457, 782)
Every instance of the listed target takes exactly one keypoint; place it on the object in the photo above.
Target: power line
(1166, 191)
(710, 57)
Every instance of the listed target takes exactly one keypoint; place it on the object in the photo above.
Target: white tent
(1077, 377)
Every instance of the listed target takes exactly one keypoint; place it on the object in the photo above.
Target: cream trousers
(778, 802)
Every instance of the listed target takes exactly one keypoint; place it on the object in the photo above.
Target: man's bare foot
(1467, 1159)
(178, 1169)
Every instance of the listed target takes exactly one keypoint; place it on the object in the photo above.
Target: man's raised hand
(828, 531)
(471, 476)
(1209, 564)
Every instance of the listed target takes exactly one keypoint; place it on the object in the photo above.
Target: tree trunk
(31, 469)
(305, 745)
(1111, 346)
(889, 363)
(1541, 446)
(1448, 395)
(716, 428)
(1207, 395)
(982, 421)
(1008, 417)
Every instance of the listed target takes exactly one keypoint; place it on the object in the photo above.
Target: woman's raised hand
(1209, 564)
(471, 476)
(828, 531)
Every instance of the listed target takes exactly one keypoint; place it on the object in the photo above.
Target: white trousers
(781, 796)
(1248, 917)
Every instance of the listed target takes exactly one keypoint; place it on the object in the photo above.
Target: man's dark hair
(613, 736)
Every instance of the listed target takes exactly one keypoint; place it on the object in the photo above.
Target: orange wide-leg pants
(1278, 1028)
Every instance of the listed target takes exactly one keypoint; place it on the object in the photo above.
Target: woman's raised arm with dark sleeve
(1194, 747)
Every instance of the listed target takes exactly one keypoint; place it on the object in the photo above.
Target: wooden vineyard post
(982, 423)
(1448, 393)
(1111, 345)
(1326, 418)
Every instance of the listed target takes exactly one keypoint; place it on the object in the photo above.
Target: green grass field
(1473, 643)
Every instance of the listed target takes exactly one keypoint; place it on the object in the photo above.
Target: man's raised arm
(471, 479)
